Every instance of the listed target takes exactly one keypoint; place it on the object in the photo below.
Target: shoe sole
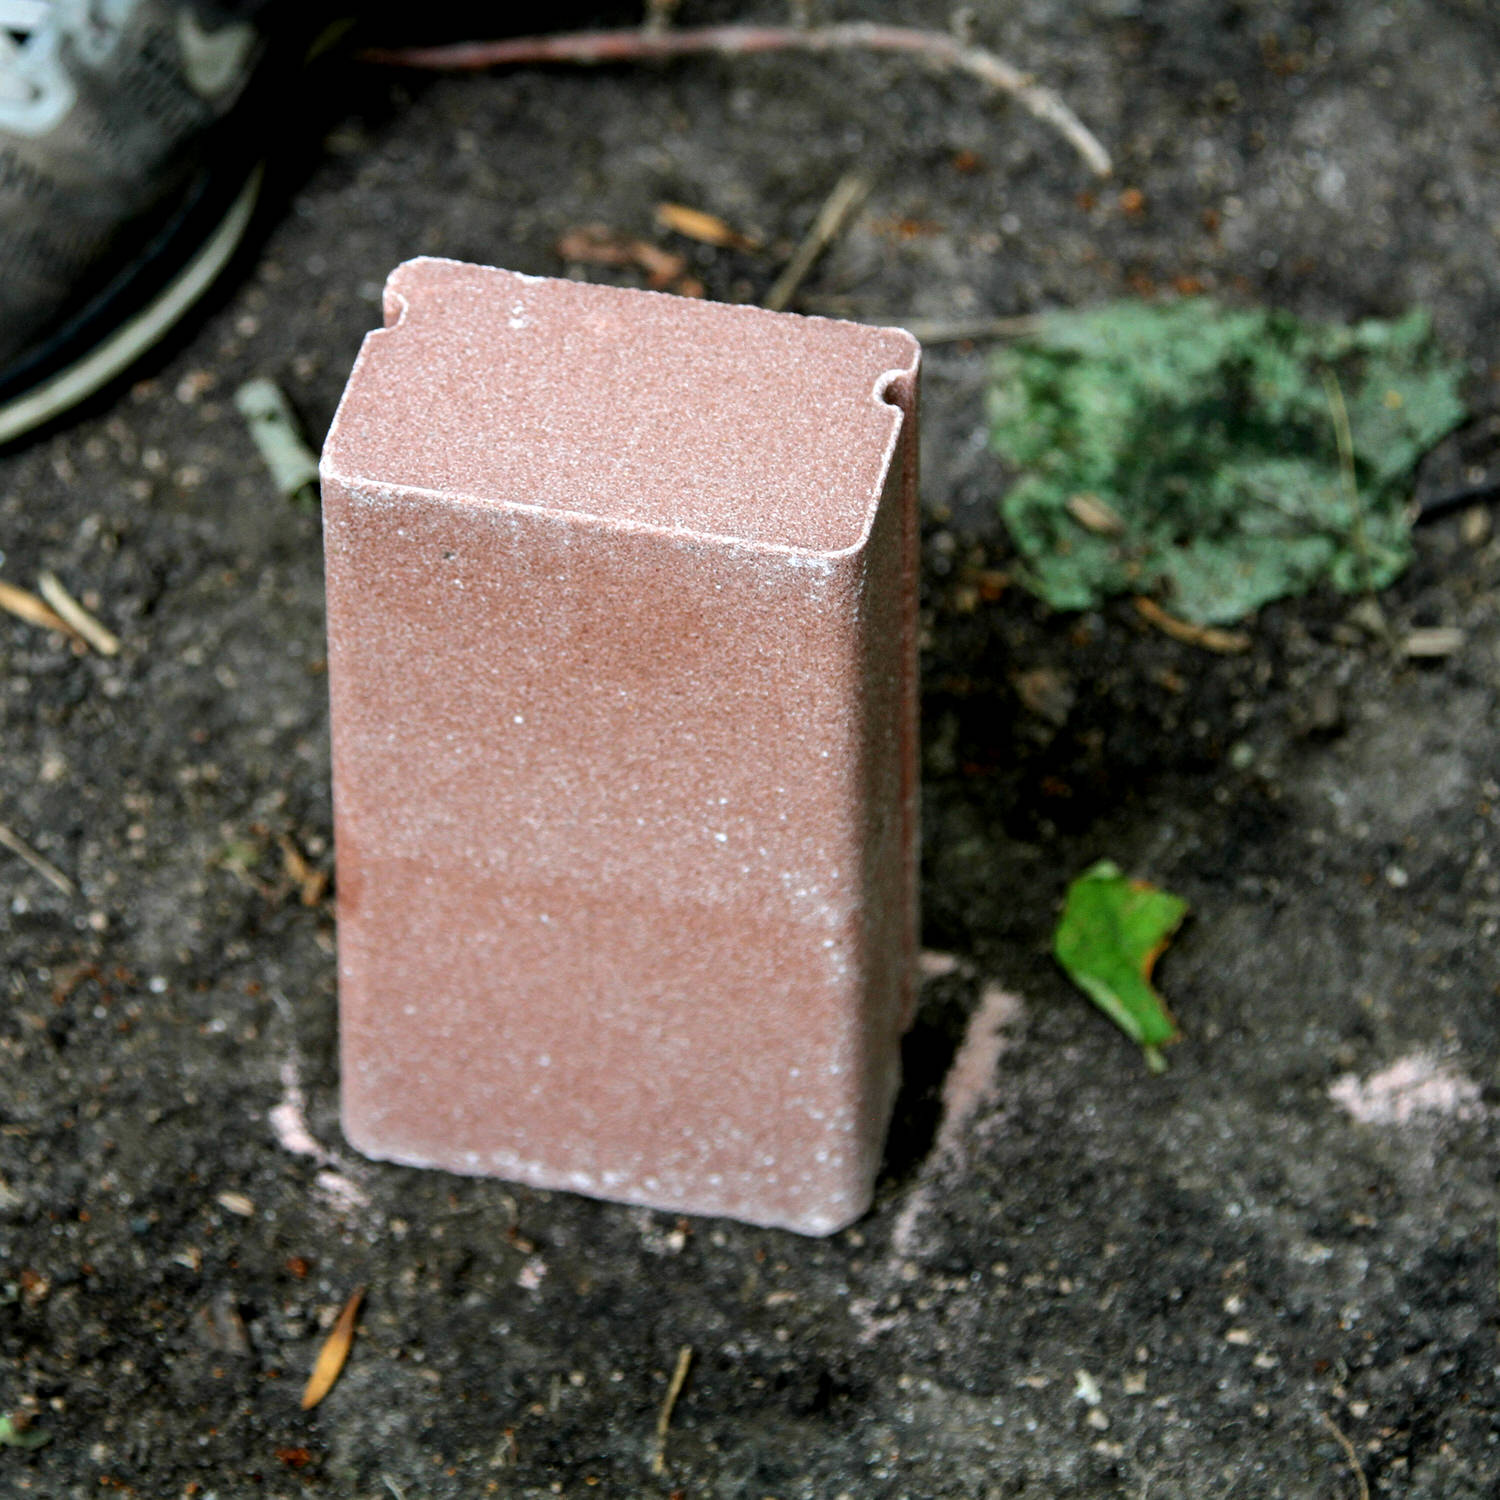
(143, 329)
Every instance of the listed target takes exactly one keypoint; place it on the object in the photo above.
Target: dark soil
(1225, 1258)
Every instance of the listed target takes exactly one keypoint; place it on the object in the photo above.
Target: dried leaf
(595, 245)
(1110, 935)
(335, 1351)
(706, 228)
(598, 245)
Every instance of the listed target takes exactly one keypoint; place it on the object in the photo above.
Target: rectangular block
(621, 620)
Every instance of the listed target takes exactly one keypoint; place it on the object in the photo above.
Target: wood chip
(664, 1416)
(1094, 515)
(1433, 641)
(1226, 642)
(105, 642)
(333, 1354)
(25, 605)
(706, 228)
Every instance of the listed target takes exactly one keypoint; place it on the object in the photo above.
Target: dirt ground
(1098, 1283)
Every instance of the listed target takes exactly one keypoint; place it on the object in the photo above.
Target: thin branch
(590, 48)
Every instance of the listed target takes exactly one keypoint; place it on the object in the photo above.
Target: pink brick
(621, 616)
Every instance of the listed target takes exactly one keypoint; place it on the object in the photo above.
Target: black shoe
(128, 172)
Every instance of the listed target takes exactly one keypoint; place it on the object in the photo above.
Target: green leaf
(1110, 935)
(14, 1436)
(1208, 432)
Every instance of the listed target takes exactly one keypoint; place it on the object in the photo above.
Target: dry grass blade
(49, 872)
(1350, 1455)
(104, 641)
(664, 1416)
(837, 211)
(335, 1351)
(25, 605)
(706, 228)
(1225, 642)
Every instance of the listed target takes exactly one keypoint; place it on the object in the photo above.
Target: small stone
(1433, 642)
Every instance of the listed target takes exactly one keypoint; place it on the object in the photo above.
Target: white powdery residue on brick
(1417, 1084)
(968, 1085)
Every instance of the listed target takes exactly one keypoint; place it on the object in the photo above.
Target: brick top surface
(628, 406)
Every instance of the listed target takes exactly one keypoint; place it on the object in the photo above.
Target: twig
(838, 209)
(595, 47)
(105, 642)
(1226, 642)
(25, 605)
(45, 868)
(664, 1416)
(1350, 1455)
(959, 330)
